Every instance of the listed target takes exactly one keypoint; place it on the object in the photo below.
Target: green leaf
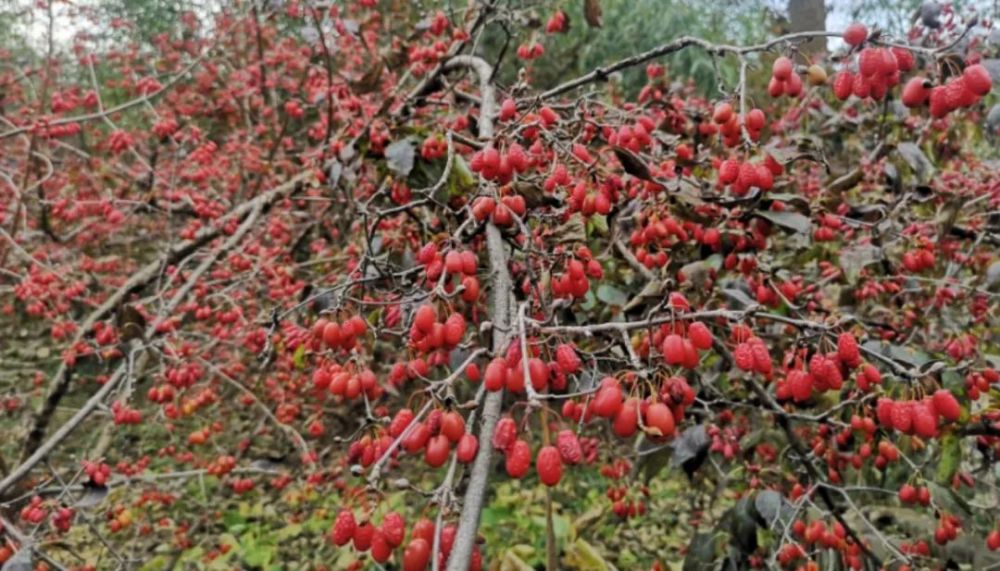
(951, 457)
(853, 259)
(299, 357)
(611, 295)
(597, 224)
(288, 532)
(906, 355)
(788, 220)
(461, 181)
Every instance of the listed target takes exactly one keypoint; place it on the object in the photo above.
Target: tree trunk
(808, 16)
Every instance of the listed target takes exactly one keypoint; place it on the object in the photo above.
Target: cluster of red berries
(530, 51)
(826, 372)
(119, 141)
(426, 55)
(381, 540)
(918, 260)
(610, 402)
(500, 213)
(509, 371)
(581, 200)
(557, 24)
(340, 335)
(959, 91)
(979, 382)
(62, 519)
(34, 512)
(462, 264)
(910, 494)
(918, 417)
(947, 530)
(741, 177)
(491, 164)
(752, 355)
(98, 472)
(635, 137)
(517, 452)
(222, 465)
(729, 123)
(878, 71)
(347, 381)
(57, 131)
(833, 536)
(435, 436)
(369, 449)
(433, 147)
(241, 485)
(574, 281)
(784, 80)
(123, 414)
(428, 334)
(683, 351)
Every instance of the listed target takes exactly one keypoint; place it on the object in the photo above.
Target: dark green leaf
(788, 220)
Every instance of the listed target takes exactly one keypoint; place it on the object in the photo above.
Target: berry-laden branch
(127, 368)
(502, 318)
(406, 259)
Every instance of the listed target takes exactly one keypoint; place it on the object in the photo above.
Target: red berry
(495, 377)
(673, 349)
(755, 120)
(518, 459)
(331, 334)
(902, 416)
(549, 465)
(453, 262)
(915, 92)
(723, 113)
(417, 554)
(993, 540)
(977, 79)
(847, 349)
(505, 433)
(569, 447)
(381, 550)
(466, 449)
(947, 405)
(608, 399)
(363, 536)
(399, 422)
(659, 417)
(627, 419)
(855, 34)
(425, 318)
(393, 529)
(567, 359)
(700, 335)
(453, 426)
(907, 494)
(884, 412)
(743, 356)
(843, 85)
(436, 453)
(454, 329)
(344, 527)
(800, 383)
(781, 69)
(925, 420)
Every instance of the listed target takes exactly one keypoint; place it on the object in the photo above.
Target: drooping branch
(125, 369)
(146, 275)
